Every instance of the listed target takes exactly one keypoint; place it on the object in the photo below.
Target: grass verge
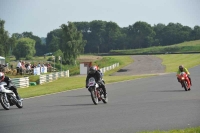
(190, 46)
(187, 130)
(172, 61)
(64, 84)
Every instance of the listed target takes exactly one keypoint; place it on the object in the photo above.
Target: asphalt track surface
(151, 103)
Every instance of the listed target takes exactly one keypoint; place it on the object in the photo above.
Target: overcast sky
(43, 16)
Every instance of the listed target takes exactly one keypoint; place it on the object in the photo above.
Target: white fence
(53, 76)
(21, 82)
(103, 70)
(24, 82)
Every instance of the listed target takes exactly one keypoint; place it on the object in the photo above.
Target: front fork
(5, 96)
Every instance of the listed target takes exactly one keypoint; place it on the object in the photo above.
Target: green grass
(187, 130)
(64, 84)
(172, 61)
(191, 46)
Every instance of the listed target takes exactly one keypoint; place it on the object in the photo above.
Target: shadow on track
(80, 96)
(171, 91)
(75, 105)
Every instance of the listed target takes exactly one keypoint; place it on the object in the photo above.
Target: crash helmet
(2, 76)
(92, 70)
(181, 68)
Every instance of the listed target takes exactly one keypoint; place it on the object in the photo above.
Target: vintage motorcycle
(8, 97)
(96, 91)
(184, 80)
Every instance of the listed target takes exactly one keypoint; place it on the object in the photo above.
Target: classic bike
(8, 97)
(96, 91)
(184, 80)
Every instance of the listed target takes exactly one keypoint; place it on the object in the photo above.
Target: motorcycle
(184, 80)
(8, 97)
(96, 91)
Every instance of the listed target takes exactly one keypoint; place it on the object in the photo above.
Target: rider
(8, 81)
(98, 69)
(93, 72)
(181, 68)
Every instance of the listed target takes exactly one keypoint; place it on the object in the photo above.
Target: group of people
(28, 67)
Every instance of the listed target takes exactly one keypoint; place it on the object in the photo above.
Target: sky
(42, 16)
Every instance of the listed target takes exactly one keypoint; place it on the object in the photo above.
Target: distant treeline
(101, 37)
(104, 36)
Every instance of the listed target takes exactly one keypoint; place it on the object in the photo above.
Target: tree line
(104, 36)
(74, 38)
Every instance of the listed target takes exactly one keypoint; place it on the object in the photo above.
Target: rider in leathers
(181, 68)
(96, 74)
(9, 84)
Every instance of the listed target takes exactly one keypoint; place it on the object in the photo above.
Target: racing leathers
(186, 71)
(11, 87)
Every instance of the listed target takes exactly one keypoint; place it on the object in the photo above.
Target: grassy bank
(172, 61)
(64, 84)
(187, 130)
(191, 46)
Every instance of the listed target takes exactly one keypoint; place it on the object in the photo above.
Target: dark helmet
(2, 76)
(92, 70)
(181, 68)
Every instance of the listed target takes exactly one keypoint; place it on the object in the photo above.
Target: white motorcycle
(96, 91)
(8, 97)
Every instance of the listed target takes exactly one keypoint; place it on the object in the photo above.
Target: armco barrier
(21, 82)
(103, 70)
(53, 76)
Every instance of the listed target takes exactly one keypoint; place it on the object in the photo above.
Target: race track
(144, 104)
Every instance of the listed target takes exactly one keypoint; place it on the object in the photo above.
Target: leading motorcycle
(184, 80)
(8, 97)
(96, 91)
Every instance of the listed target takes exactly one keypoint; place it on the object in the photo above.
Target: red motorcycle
(184, 80)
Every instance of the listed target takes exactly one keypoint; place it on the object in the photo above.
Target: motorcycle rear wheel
(5, 104)
(105, 100)
(19, 104)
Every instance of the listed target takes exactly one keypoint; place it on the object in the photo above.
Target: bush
(28, 57)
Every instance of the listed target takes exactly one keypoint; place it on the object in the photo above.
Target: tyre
(5, 104)
(94, 96)
(105, 100)
(185, 86)
(19, 104)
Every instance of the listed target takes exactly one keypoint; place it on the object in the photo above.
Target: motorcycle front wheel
(5, 104)
(94, 96)
(185, 85)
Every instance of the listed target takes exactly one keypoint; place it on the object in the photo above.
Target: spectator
(39, 65)
(29, 69)
(19, 67)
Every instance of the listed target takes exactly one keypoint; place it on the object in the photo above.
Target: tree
(72, 43)
(25, 48)
(4, 46)
(141, 35)
(53, 38)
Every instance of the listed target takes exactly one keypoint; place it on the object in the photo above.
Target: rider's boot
(18, 97)
(105, 95)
